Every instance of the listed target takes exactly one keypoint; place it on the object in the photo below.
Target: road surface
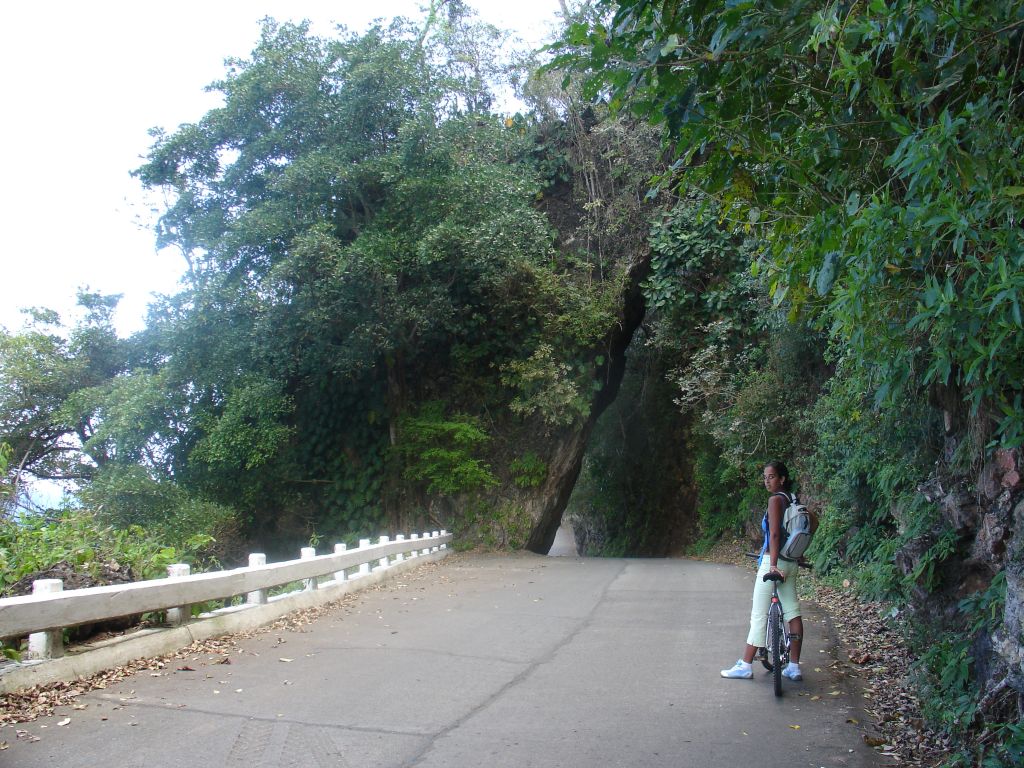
(513, 661)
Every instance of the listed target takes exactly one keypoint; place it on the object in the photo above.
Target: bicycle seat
(772, 577)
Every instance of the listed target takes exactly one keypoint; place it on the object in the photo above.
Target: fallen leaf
(3, 745)
(815, 698)
(873, 741)
(285, 660)
(795, 727)
(65, 721)
(185, 669)
(225, 660)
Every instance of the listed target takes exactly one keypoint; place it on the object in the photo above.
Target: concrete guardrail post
(182, 613)
(339, 549)
(414, 537)
(259, 596)
(426, 550)
(434, 535)
(308, 553)
(399, 557)
(383, 562)
(443, 544)
(364, 568)
(48, 644)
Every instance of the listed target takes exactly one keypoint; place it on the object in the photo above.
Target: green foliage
(364, 237)
(42, 368)
(1007, 746)
(6, 487)
(502, 526)
(944, 669)
(34, 543)
(528, 470)
(127, 496)
(868, 460)
(547, 388)
(439, 450)
(873, 146)
(248, 432)
(724, 495)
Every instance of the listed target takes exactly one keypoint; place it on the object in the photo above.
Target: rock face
(1008, 643)
(611, 164)
(987, 516)
(995, 523)
(548, 503)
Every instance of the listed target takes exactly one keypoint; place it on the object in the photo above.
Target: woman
(776, 481)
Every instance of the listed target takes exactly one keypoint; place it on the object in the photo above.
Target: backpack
(799, 528)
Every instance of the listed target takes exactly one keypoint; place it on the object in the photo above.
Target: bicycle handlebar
(801, 563)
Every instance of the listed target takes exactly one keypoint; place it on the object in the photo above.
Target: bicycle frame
(775, 658)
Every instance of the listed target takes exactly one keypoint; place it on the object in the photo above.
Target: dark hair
(780, 469)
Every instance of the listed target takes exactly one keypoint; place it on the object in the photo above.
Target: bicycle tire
(775, 645)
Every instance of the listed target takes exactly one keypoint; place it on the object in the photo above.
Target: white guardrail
(44, 614)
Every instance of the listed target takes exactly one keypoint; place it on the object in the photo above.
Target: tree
(875, 146)
(356, 223)
(42, 374)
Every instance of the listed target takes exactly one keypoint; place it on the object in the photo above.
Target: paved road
(519, 661)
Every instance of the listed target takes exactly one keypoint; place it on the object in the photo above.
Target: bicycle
(777, 641)
(774, 655)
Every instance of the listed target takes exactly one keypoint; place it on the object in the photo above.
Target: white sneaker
(740, 670)
(792, 671)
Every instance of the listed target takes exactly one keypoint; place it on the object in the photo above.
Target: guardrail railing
(44, 614)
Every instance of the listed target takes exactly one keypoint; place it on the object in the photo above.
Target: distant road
(482, 660)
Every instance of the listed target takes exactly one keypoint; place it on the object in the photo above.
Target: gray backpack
(796, 522)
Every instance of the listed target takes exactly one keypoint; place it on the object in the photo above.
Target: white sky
(83, 83)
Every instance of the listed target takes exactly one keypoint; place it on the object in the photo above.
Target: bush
(124, 497)
(945, 669)
(439, 450)
(36, 542)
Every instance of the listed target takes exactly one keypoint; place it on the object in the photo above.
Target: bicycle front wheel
(775, 645)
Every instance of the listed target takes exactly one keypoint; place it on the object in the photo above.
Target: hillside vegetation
(714, 234)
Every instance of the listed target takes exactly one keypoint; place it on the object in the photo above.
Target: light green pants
(763, 599)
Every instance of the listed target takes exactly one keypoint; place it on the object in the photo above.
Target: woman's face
(773, 481)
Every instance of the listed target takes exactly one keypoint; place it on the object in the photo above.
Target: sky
(84, 83)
